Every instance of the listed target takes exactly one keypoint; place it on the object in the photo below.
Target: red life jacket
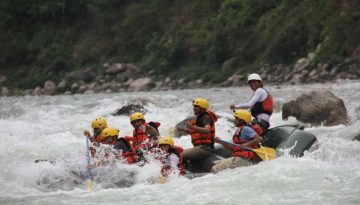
(139, 135)
(129, 153)
(93, 149)
(176, 150)
(258, 129)
(198, 138)
(238, 152)
(266, 106)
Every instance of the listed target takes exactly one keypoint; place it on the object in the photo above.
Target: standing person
(261, 104)
(171, 160)
(202, 130)
(144, 134)
(245, 136)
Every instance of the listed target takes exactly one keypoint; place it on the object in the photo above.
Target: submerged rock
(128, 109)
(178, 133)
(317, 107)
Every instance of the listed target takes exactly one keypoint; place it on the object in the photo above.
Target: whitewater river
(51, 128)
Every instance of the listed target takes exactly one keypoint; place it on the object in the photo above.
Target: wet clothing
(258, 109)
(261, 107)
(173, 161)
(201, 120)
(128, 152)
(243, 135)
(143, 135)
(240, 157)
(197, 153)
(203, 142)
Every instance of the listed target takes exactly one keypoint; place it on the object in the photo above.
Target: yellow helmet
(201, 102)
(137, 116)
(109, 132)
(243, 115)
(166, 140)
(96, 123)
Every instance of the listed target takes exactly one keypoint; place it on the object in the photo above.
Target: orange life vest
(238, 152)
(266, 106)
(198, 138)
(176, 150)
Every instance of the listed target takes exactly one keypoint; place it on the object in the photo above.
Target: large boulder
(317, 107)
(357, 137)
(181, 124)
(140, 84)
(129, 109)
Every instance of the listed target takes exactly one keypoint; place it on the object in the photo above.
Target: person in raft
(245, 136)
(261, 104)
(201, 127)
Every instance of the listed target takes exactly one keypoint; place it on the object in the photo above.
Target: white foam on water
(51, 128)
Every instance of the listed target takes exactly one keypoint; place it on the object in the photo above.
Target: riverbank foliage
(178, 38)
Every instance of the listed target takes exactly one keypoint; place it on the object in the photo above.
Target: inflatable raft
(285, 137)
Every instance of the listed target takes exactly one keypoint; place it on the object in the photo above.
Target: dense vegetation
(179, 38)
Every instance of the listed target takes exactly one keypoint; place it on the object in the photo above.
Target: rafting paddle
(265, 153)
(89, 174)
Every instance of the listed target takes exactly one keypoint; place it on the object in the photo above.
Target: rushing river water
(51, 128)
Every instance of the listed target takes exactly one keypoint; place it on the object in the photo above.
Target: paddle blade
(266, 153)
(171, 131)
(162, 180)
(89, 185)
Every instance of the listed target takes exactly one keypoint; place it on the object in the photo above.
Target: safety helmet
(166, 140)
(109, 132)
(243, 115)
(254, 76)
(96, 123)
(137, 116)
(201, 102)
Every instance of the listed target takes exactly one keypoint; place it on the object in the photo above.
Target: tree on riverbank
(192, 40)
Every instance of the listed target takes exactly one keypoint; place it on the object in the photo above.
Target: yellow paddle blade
(171, 131)
(89, 185)
(162, 180)
(265, 153)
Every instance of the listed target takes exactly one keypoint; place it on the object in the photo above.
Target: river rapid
(51, 128)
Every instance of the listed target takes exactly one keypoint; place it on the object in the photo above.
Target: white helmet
(254, 76)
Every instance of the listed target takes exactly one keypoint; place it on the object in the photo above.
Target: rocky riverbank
(120, 77)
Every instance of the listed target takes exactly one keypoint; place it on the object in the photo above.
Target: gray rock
(62, 85)
(74, 87)
(317, 107)
(4, 91)
(84, 75)
(140, 84)
(116, 68)
(37, 91)
(28, 92)
(49, 88)
(129, 109)
(301, 64)
(178, 133)
(357, 137)
(89, 92)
